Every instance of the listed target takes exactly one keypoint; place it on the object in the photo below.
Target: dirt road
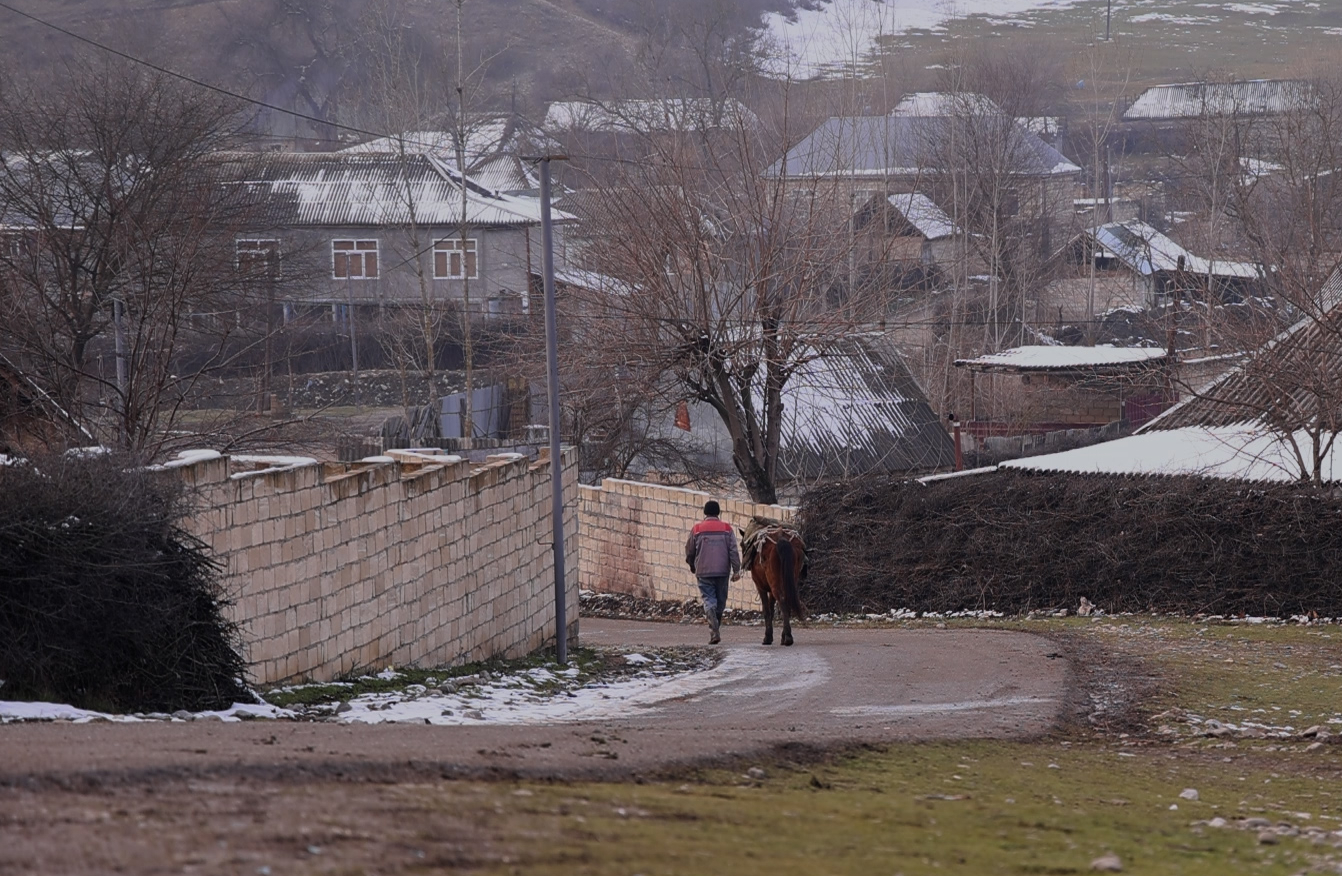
(80, 798)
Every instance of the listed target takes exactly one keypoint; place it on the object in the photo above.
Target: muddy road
(214, 797)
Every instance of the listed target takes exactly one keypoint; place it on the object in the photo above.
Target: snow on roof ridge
(1041, 356)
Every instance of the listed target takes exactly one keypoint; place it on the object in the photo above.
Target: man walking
(712, 554)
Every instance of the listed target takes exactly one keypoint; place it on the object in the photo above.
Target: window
(447, 259)
(354, 259)
(258, 257)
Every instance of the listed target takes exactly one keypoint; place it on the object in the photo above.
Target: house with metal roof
(1158, 268)
(1182, 101)
(913, 147)
(492, 147)
(362, 229)
(1272, 418)
(854, 410)
(1032, 390)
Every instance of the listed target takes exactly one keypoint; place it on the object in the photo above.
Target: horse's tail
(787, 563)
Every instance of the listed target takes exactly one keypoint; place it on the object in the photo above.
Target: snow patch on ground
(838, 35)
(24, 711)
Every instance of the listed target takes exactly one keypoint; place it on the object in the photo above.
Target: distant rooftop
(1062, 358)
(925, 216)
(1145, 250)
(1188, 100)
(1239, 453)
(906, 141)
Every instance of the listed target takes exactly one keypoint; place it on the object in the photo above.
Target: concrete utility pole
(552, 380)
(1108, 13)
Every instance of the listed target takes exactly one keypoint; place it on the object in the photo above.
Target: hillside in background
(388, 65)
(344, 60)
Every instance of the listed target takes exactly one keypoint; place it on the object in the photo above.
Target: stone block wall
(632, 539)
(400, 560)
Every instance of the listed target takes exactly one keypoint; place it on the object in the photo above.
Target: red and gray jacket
(711, 549)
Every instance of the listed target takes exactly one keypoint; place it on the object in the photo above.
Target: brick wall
(408, 560)
(632, 539)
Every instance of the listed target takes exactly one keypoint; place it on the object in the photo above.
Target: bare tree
(1277, 177)
(729, 279)
(119, 245)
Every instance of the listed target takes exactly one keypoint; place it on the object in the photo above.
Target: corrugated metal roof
(1292, 375)
(491, 153)
(1188, 100)
(930, 220)
(1145, 250)
(1238, 453)
(904, 142)
(375, 189)
(1061, 358)
(856, 410)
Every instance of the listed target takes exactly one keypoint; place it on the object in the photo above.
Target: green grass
(968, 807)
(1049, 806)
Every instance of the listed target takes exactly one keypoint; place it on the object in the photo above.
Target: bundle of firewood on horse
(776, 557)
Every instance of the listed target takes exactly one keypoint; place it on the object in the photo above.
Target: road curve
(834, 687)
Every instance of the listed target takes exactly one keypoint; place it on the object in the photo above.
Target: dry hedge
(1016, 542)
(105, 602)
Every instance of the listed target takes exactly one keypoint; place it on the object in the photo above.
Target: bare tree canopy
(115, 235)
(726, 280)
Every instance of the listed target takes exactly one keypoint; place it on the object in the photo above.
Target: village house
(493, 148)
(1184, 101)
(856, 410)
(908, 230)
(379, 230)
(1036, 389)
(913, 149)
(1137, 266)
(1271, 417)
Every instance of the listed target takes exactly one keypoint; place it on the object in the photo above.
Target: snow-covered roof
(905, 141)
(483, 138)
(858, 409)
(489, 147)
(1241, 453)
(1061, 358)
(1145, 250)
(1187, 100)
(930, 220)
(591, 280)
(375, 189)
(633, 116)
(1293, 373)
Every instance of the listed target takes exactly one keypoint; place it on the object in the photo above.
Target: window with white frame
(451, 261)
(258, 257)
(354, 259)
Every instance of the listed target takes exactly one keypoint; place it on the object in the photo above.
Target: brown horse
(777, 563)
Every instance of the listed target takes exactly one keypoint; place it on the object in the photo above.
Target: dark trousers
(714, 591)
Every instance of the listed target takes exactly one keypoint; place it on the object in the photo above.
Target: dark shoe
(714, 638)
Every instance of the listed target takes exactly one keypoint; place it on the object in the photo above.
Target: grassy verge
(591, 665)
(1268, 801)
